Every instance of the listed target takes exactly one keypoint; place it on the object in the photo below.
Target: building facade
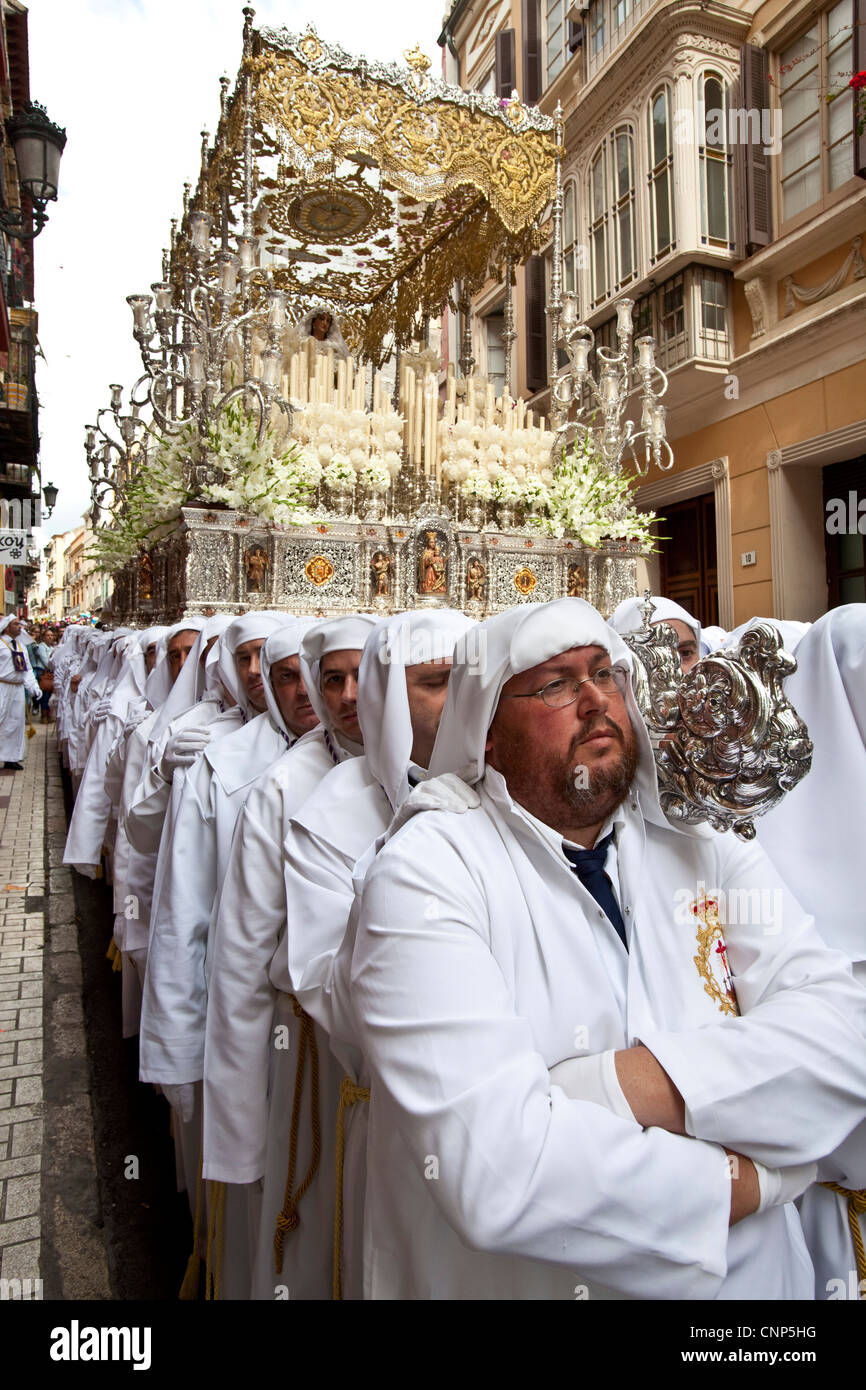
(708, 177)
(19, 428)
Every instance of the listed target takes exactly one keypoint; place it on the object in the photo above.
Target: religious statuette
(380, 572)
(257, 562)
(476, 574)
(432, 576)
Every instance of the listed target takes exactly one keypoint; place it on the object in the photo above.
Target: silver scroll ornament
(728, 743)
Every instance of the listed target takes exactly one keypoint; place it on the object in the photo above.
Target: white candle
(419, 421)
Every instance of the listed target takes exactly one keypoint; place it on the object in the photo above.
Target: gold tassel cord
(213, 1275)
(350, 1094)
(856, 1208)
(288, 1218)
(189, 1288)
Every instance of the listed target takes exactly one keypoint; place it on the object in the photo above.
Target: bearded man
(577, 1086)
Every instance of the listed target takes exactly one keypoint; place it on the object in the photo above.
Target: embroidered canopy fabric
(377, 187)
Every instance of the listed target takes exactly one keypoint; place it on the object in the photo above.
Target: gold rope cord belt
(213, 1273)
(288, 1218)
(350, 1094)
(856, 1208)
(189, 1285)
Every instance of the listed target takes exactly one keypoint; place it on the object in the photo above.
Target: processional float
(278, 470)
(261, 465)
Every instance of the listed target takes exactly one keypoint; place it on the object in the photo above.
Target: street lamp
(38, 144)
(49, 492)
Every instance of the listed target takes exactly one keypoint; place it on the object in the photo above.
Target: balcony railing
(16, 386)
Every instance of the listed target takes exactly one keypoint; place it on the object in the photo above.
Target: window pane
(599, 264)
(800, 103)
(842, 161)
(717, 209)
(626, 259)
(801, 191)
(623, 165)
(672, 314)
(596, 25)
(791, 71)
(714, 114)
(554, 46)
(713, 304)
(662, 213)
(598, 194)
(839, 21)
(660, 128)
(621, 12)
(496, 350)
(568, 235)
(841, 115)
(802, 147)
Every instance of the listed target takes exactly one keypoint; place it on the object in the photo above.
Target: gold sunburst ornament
(319, 570)
(525, 581)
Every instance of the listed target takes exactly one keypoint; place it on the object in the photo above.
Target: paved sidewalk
(22, 940)
(50, 1218)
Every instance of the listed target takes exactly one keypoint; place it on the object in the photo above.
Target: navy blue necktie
(588, 864)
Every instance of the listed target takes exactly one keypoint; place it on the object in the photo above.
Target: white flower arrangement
(339, 473)
(477, 484)
(588, 501)
(505, 488)
(375, 474)
(534, 495)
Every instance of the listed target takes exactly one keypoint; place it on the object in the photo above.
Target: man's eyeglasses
(559, 694)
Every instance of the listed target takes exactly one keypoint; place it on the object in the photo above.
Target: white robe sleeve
(92, 810)
(784, 1083)
(319, 896)
(250, 917)
(522, 1170)
(174, 1005)
(146, 815)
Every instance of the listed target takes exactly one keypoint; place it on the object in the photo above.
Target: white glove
(102, 709)
(182, 1099)
(780, 1185)
(182, 750)
(593, 1078)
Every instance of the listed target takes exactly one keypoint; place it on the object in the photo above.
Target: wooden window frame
(654, 172)
(829, 197)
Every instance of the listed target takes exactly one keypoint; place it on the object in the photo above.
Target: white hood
(285, 642)
(406, 639)
(816, 836)
(347, 633)
(249, 627)
(627, 617)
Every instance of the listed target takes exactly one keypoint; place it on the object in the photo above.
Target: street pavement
(78, 1219)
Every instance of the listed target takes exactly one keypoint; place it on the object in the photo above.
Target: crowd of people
(442, 1004)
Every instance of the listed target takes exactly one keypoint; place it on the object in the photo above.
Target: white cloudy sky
(134, 82)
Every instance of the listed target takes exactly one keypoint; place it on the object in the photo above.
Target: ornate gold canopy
(374, 187)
